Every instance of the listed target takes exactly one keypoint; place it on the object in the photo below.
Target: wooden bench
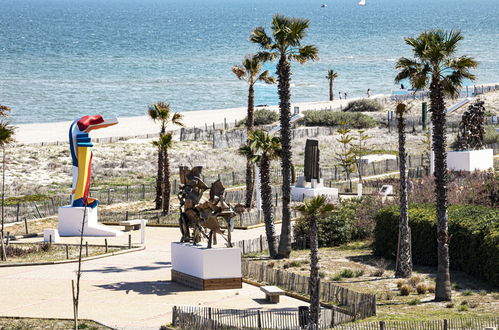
(132, 224)
(272, 293)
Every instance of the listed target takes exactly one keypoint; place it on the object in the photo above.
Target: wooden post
(382, 325)
(37, 211)
(143, 191)
(129, 241)
(67, 251)
(109, 196)
(446, 324)
(261, 243)
(126, 215)
(174, 316)
(259, 320)
(105, 244)
(17, 213)
(86, 249)
(26, 226)
(127, 193)
(50, 239)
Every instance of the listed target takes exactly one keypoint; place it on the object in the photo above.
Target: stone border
(58, 262)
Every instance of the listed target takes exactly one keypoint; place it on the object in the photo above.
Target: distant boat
(362, 2)
(323, 5)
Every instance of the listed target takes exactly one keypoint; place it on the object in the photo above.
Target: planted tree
(251, 72)
(403, 267)
(435, 65)
(161, 113)
(360, 150)
(312, 210)
(164, 143)
(331, 76)
(285, 45)
(261, 149)
(6, 137)
(346, 157)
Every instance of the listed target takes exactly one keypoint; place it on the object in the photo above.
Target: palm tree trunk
(404, 258)
(4, 254)
(249, 126)
(166, 183)
(331, 96)
(438, 118)
(314, 284)
(159, 181)
(268, 215)
(283, 87)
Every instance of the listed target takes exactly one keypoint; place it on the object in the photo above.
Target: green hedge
(262, 117)
(363, 105)
(474, 244)
(334, 118)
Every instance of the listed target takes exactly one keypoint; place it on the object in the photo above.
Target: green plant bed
(28, 323)
(262, 117)
(363, 105)
(44, 252)
(474, 232)
(334, 118)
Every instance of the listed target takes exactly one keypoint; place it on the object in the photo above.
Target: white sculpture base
(206, 269)
(51, 236)
(473, 160)
(298, 194)
(70, 220)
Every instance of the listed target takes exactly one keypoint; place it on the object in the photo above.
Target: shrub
(378, 272)
(474, 232)
(358, 273)
(262, 117)
(336, 277)
(431, 288)
(405, 290)
(363, 105)
(400, 283)
(347, 273)
(333, 118)
(491, 136)
(421, 288)
(482, 293)
(467, 293)
(449, 305)
(473, 304)
(414, 280)
(322, 274)
(414, 302)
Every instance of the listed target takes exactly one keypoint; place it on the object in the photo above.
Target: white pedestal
(473, 160)
(51, 235)
(206, 269)
(298, 194)
(70, 221)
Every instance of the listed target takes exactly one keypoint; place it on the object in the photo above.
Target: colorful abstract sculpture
(82, 206)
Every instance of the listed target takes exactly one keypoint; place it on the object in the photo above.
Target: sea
(62, 59)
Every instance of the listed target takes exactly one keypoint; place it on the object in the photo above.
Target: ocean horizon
(62, 59)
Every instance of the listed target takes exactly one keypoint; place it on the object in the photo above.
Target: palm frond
(306, 53)
(4, 110)
(6, 133)
(266, 77)
(239, 71)
(260, 37)
(331, 74)
(177, 119)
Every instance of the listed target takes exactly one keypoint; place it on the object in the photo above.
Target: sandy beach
(141, 125)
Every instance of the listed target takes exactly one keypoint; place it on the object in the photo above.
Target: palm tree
(250, 71)
(164, 143)
(331, 76)
(312, 209)
(160, 112)
(404, 257)
(434, 65)
(285, 45)
(6, 137)
(261, 149)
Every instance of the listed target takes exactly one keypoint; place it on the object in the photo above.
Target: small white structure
(303, 190)
(472, 160)
(51, 236)
(206, 269)
(70, 221)
(386, 190)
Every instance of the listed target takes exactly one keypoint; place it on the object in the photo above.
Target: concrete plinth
(298, 194)
(473, 160)
(70, 223)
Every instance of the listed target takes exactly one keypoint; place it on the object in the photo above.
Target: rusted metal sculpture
(471, 130)
(312, 161)
(199, 216)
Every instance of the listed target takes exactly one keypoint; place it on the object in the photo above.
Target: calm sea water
(60, 59)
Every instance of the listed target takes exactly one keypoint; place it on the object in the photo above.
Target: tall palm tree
(331, 76)
(285, 44)
(251, 72)
(312, 210)
(404, 257)
(161, 112)
(435, 65)
(261, 149)
(164, 143)
(6, 137)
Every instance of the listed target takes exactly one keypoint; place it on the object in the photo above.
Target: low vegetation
(262, 117)
(363, 105)
(333, 118)
(14, 323)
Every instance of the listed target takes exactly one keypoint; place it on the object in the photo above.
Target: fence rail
(446, 324)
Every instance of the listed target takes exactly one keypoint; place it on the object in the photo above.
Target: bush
(405, 290)
(421, 288)
(333, 118)
(414, 302)
(262, 117)
(347, 273)
(491, 136)
(363, 106)
(414, 280)
(474, 232)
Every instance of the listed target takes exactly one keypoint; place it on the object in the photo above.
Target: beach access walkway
(128, 291)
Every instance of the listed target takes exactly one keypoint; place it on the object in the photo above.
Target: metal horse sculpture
(199, 217)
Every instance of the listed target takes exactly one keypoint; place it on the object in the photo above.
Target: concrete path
(129, 291)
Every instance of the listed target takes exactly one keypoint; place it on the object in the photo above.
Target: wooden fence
(358, 305)
(202, 318)
(446, 324)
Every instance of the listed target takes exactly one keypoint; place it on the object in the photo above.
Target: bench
(272, 293)
(132, 224)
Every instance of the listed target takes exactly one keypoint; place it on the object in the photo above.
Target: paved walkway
(130, 291)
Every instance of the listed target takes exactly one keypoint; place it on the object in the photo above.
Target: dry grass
(8, 323)
(357, 258)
